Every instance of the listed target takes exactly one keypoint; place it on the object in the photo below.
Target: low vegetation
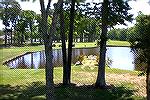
(27, 82)
(19, 83)
(8, 53)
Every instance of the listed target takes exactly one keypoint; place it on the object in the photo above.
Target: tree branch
(42, 5)
(48, 5)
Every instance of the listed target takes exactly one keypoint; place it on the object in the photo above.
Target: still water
(122, 58)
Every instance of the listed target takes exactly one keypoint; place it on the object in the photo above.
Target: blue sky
(139, 5)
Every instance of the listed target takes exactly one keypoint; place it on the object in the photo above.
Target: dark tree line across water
(23, 26)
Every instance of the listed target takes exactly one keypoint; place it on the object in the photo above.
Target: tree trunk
(5, 36)
(48, 51)
(49, 71)
(22, 38)
(148, 81)
(62, 27)
(40, 40)
(100, 82)
(11, 41)
(81, 37)
(70, 39)
(31, 35)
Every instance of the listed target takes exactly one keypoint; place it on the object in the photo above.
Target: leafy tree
(9, 14)
(20, 29)
(47, 37)
(122, 34)
(70, 40)
(29, 16)
(38, 21)
(112, 34)
(67, 69)
(113, 13)
(63, 39)
(140, 43)
(118, 34)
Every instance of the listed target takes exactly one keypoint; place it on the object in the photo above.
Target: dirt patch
(138, 83)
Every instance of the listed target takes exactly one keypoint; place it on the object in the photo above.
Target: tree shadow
(36, 91)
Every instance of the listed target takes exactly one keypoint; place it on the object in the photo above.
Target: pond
(122, 58)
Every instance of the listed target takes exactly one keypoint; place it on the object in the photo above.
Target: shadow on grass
(36, 91)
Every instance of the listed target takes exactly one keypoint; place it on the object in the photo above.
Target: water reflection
(121, 56)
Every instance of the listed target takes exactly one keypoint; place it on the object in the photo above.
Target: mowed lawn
(8, 53)
(30, 83)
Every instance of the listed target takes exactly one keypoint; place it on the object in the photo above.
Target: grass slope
(30, 83)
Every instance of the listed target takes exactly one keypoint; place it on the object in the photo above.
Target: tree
(20, 29)
(29, 16)
(70, 41)
(112, 34)
(100, 82)
(14, 12)
(47, 37)
(9, 14)
(118, 34)
(63, 39)
(113, 13)
(70, 37)
(38, 21)
(140, 43)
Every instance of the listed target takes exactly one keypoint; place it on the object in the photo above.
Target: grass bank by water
(8, 53)
(29, 83)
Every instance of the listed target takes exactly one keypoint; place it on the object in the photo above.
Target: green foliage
(139, 39)
(9, 12)
(142, 30)
(1, 32)
(118, 34)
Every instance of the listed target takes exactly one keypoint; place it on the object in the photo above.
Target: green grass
(8, 53)
(36, 91)
(23, 76)
(117, 43)
(30, 83)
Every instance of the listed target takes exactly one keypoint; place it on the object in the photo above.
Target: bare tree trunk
(70, 40)
(100, 82)
(62, 27)
(48, 51)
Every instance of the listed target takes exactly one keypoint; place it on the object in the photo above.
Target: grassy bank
(29, 83)
(7, 53)
(79, 75)
(117, 43)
